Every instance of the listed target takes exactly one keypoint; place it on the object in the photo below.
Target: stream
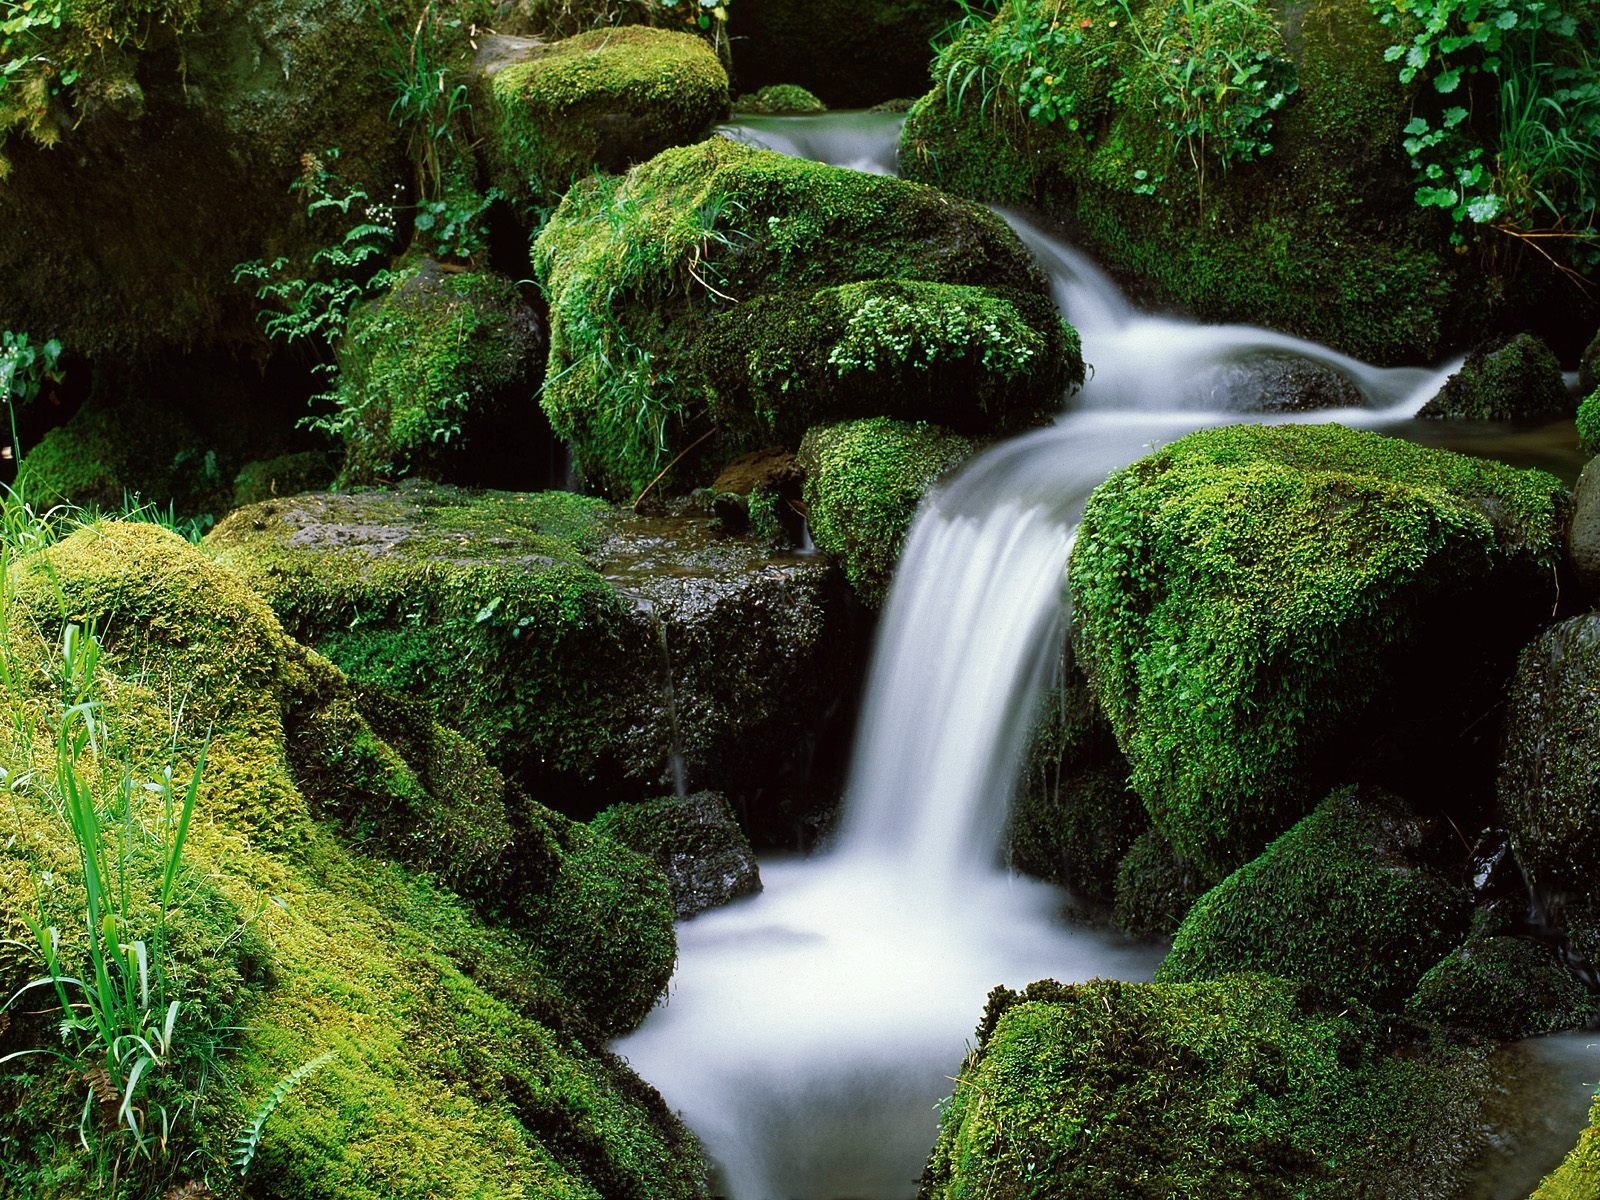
(811, 1030)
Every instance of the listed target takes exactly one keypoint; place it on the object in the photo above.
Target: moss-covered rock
(695, 842)
(1155, 888)
(1549, 782)
(1589, 366)
(721, 298)
(760, 494)
(852, 53)
(864, 481)
(1588, 421)
(437, 379)
(1071, 109)
(1578, 1176)
(1264, 611)
(1241, 1087)
(544, 626)
(454, 1054)
(286, 475)
(1583, 532)
(1514, 379)
(1360, 898)
(218, 102)
(779, 100)
(607, 98)
(1501, 987)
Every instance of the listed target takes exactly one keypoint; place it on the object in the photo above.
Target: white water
(811, 1029)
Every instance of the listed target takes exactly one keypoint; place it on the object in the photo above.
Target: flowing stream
(811, 1030)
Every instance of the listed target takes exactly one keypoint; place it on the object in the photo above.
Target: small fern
(244, 1146)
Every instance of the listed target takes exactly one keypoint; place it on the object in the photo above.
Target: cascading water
(811, 1030)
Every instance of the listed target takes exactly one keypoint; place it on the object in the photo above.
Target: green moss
(1501, 987)
(1517, 379)
(1320, 237)
(1355, 898)
(864, 483)
(434, 375)
(1589, 423)
(286, 475)
(1578, 1176)
(695, 841)
(1255, 605)
(604, 99)
(780, 100)
(466, 1058)
(1242, 1087)
(1589, 365)
(1154, 889)
(687, 297)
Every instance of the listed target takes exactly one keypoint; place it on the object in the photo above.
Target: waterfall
(810, 1030)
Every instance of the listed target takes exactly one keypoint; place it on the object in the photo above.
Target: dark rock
(1515, 379)
(760, 493)
(695, 842)
(1583, 534)
(1280, 383)
(1589, 367)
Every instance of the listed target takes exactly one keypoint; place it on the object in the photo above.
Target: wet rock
(1361, 897)
(579, 646)
(1502, 987)
(1583, 534)
(1281, 383)
(1516, 379)
(696, 843)
(760, 493)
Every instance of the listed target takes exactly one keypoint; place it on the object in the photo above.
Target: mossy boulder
(1578, 1176)
(1309, 224)
(1514, 379)
(454, 1051)
(721, 298)
(1154, 889)
(1265, 611)
(1074, 818)
(864, 481)
(1589, 366)
(1588, 421)
(1549, 781)
(603, 99)
(694, 841)
(1583, 533)
(779, 100)
(852, 53)
(218, 100)
(580, 647)
(1361, 898)
(1502, 987)
(1241, 1087)
(285, 475)
(437, 379)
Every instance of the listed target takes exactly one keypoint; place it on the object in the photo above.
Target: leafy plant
(427, 104)
(24, 368)
(249, 1138)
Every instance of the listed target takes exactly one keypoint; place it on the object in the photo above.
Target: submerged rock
(604, 99)
(1264, 611)
(310, 924)
(864, 481)
(579, 646)
(721, 298)
(1515, 379)
(1239, 1088)
(695, 842)
(1502, 987)
(1359, 898)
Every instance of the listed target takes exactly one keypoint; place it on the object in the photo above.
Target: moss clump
(1578, 1176)
(1355, 898)
(606, 99)
(1501, 987)
(1154, 890)
(1255, 606)
(286, 475)
(1060, 108)
(1589, 423)
(721, 298)
(464, 1056)
(1516, 379)
(436, 379)
(1589, 366)
(695, 842)
(1241, 1087)
(864, 483)
(780, 100)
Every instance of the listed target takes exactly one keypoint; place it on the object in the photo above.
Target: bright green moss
(466, 1058)
(1319, 237)
(864, 483)
(1355, 898)
(734, 295)
(1255, 604)
(434, 375)
(780, 100)
(1578, 1176)
(604, 99)
(1589, 423)
(1245, 1087)
(1501, 987)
